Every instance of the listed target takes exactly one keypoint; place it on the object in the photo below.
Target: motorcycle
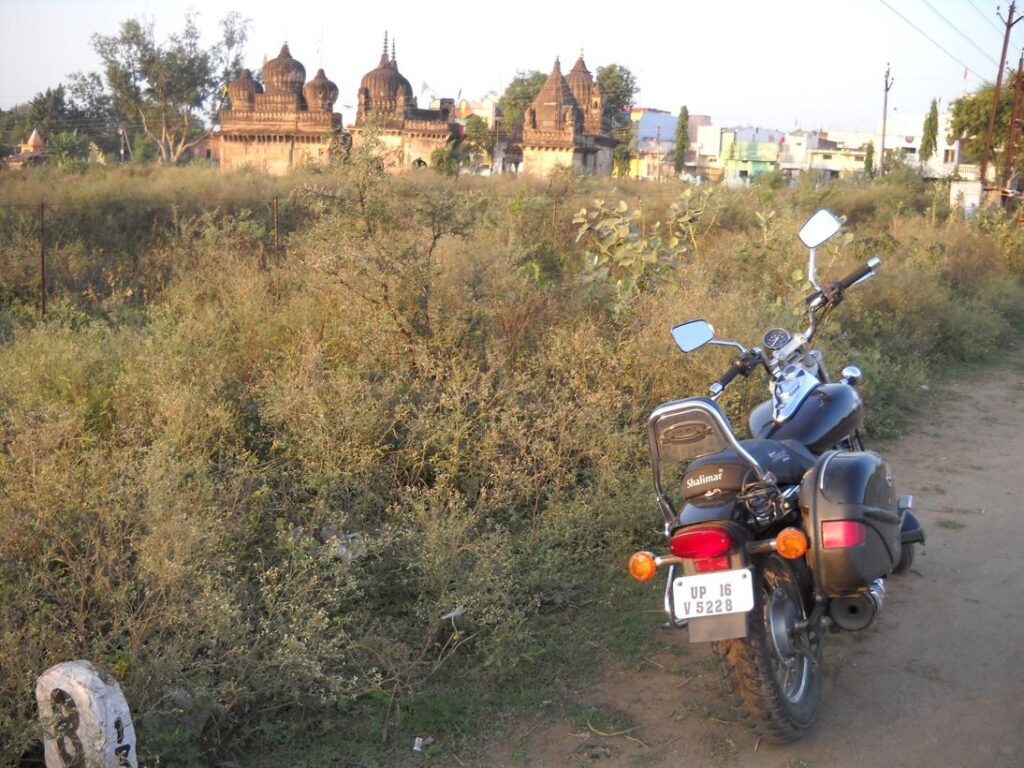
(776, 538)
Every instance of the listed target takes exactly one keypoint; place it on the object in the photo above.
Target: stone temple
(387, 110)
(565, 126)
(286, 122)
(283, 123)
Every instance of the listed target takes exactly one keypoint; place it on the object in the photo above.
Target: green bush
(284, 497)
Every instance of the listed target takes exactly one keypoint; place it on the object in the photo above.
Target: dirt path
(938, 680)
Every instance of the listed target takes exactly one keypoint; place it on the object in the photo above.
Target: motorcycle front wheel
(774, 675)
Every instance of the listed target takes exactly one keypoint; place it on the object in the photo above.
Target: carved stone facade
(281, 124)
(565, 127)
(387, 110)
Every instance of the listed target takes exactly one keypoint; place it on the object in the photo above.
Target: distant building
(565, 127)
(737, 154)
(654, 141)
(282, 123)
(31, 152)
(387, 109)
(903, 134)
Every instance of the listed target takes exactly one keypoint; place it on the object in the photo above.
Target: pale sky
(783, 64)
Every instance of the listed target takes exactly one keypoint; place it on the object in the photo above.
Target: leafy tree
(518, 96)
(969, 121)
(619, 89)
(930, 133)
(49, 111)
(478, 142)
(168, 86)
(869, 158)
(68, 147)
(445, 160)
(99, 120)
(682, 138)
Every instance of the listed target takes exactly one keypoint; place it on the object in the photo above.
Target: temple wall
(421, 148)
(402, 150)
(542, 161)
(273, 157)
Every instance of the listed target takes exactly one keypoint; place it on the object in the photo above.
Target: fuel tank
(830, 413)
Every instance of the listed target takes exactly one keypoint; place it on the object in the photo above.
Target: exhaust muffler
(856, 612)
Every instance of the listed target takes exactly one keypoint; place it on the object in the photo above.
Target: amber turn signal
(642, 566)
(791, 543)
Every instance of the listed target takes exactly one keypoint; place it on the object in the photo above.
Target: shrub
(270, 494)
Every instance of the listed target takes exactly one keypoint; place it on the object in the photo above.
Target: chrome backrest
(684, 430)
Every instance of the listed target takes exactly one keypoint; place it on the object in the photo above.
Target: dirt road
(938, 680)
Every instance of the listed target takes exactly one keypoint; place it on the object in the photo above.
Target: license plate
(713, 594)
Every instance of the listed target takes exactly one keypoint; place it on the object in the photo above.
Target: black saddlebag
(848, 502)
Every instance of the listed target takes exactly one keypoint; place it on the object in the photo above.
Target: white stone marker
(86, 721)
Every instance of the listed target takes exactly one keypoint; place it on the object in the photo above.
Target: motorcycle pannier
(848, 502)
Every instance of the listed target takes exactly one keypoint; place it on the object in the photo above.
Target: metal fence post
(42, 258)
(277, 232)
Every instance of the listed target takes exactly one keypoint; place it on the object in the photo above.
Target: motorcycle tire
(775, 683)
(906, 559)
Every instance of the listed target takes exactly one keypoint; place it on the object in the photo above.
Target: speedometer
(776, 338)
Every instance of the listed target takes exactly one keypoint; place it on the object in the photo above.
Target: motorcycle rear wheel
(774, 675)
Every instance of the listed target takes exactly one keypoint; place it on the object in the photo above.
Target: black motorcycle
(776, 538)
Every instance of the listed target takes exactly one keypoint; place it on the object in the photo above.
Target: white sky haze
(785, 64)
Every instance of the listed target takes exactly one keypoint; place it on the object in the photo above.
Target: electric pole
(885, 114)
(1010, 21)
(1016, 119)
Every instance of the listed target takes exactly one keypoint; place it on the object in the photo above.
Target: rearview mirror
(692, 335)
(819, 228)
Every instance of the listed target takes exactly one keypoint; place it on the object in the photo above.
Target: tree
(682, 138)
(99, 120)
(167, 87)
(477, 142)
(518, 96)
(930, 133)
(618, 89)
(869, 159)
(445, 160)
(969, 121)
(68, 148)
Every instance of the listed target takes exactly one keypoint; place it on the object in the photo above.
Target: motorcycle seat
(727, 472)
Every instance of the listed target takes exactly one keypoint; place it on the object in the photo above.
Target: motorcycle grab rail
(669, 430)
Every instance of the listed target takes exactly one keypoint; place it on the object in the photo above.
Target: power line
(931, 40)
(985, 17)
(957, 29)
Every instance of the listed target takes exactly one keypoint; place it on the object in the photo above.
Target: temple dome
(284, 74)
(383, 89)
(242, 91)
(580, 81)
(385, 83)
(555, 107)
(320, 92)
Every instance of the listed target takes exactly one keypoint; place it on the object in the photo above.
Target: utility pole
(657, 150)
(1010, 21)
(1016, 119)
(885, 115)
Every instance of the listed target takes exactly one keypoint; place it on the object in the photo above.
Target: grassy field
(380, 482)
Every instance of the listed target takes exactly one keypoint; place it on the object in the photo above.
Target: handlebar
(726, 378)
(832, 293)
(865, 270)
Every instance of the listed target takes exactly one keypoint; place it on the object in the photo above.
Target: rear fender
(708, 629)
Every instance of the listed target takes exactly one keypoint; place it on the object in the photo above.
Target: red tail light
(711, 564)
(700, 543)
(842, 533)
